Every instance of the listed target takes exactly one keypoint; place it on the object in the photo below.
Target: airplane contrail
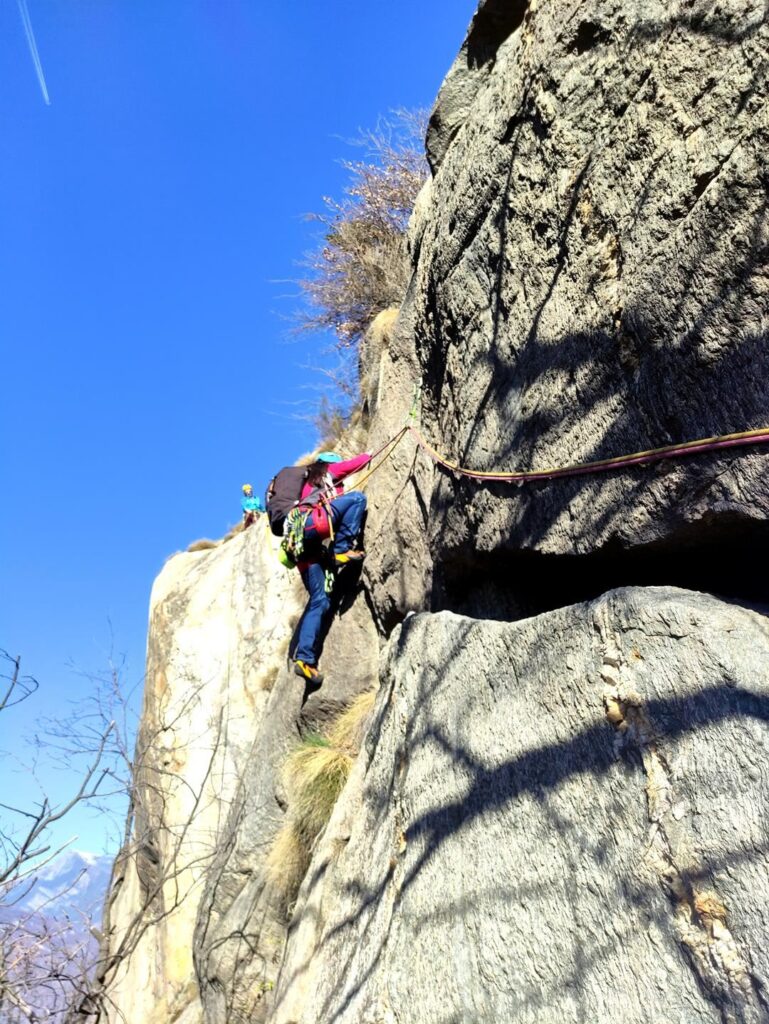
(33, 49)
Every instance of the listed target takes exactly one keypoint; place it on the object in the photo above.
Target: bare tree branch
(19, 687)
(51, 966)
(47, 954)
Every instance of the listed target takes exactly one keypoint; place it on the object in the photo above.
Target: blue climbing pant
(347, 512)
(311, 627)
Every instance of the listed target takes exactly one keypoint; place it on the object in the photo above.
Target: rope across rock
(705, 444)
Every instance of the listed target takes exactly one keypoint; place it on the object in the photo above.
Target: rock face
(398, 568)
(591, 275)
(222, 709)
(241, 927)
(193, 927)
(559, 819)
(220, 624)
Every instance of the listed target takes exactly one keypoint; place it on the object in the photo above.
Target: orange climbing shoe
(349, 556)
(308, 672)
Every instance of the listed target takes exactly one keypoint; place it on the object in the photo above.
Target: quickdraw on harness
(292, 545)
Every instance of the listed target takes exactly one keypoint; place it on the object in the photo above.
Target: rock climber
(251, 505)
(334, 515)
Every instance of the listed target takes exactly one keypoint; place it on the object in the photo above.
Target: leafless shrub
(330, 422)
(46, 955)
(57, 965)
(164, 844)
(361, 266)
(46, 962)
(25, 843)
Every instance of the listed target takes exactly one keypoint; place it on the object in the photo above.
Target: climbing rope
(411, 420)
(704, 444)
(394, 442)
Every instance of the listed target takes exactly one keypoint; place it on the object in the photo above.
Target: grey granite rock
(220, 623)
(398, 568)
(591, 273)
(561, 819)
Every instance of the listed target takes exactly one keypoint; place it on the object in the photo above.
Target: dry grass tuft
(382, 325)
(315, 774)
(204, 544)
(287, 863)
(348, 729)
(233, 531)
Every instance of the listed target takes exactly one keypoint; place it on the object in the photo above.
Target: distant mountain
(54, 932)
(75, 881)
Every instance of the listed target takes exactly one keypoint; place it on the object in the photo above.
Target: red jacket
(337, 471)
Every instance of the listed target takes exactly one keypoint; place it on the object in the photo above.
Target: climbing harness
(325, 503)
(292, 545)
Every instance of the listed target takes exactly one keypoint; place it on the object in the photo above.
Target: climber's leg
(347, 513)
(313, 621)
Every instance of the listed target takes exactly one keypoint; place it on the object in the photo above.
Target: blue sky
(152, 220)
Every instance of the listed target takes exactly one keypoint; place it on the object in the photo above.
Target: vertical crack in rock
(700, 918)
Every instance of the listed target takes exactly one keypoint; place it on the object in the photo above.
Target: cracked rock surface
(559, 819)
(591, 270)
(188, 920)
